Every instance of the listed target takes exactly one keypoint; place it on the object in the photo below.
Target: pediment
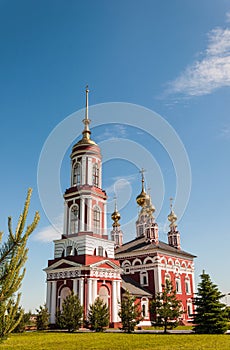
(63, 263)
(105, 264)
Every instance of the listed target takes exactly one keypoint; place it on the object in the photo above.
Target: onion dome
(116, 216)
(142, 198)
(172, 216)
(150, 207)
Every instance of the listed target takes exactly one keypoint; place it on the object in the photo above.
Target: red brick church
(91, 265)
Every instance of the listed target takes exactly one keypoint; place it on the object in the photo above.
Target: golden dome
(142, 198)
(172, 216)
(115, 215)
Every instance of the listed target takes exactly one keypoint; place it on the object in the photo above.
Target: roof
(140, 244)
(134, 287)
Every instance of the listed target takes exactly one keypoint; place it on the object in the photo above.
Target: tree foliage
(13, 255)
(166, 308)
(71, 315)
(42, 318)
(211, 315)
(24, 320)
(129, 313)
(98, 315)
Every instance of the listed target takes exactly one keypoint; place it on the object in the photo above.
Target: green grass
(114, 341)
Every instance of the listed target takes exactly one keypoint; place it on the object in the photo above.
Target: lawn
(114, 341)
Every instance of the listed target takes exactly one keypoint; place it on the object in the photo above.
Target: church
(91, 264)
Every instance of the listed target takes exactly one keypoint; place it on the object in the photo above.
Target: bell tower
(85, 201)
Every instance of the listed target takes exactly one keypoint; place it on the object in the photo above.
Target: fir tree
(13, 255)
(210, 316)
(98, 315)
(42, 319)
(25, 321)
(71, 315)
(166, 308)
(130, 313)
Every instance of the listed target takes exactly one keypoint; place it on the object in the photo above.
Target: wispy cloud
(228, 17)
(225, 132)
(50, 232)
(210, 72)
(114, 132)
(119, 183)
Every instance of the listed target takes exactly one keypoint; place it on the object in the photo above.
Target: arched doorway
(104, 295)
(64, 293)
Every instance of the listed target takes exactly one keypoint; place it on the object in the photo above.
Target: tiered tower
(145, 224)
(85, 201)
(84, 256)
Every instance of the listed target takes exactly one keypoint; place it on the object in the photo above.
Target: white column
(48, 295)
(105, 220)
(100, 175)
(118, 299)
(90, 173)
(75, 283)
(89, 294)
(66, 218)
(83, 167)
(114, 301)
(94, 290)
(53, 301)
(82, 214)
(89, 216)
(81, 291)
(157, 280)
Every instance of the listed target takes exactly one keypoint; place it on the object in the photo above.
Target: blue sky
(172, 57)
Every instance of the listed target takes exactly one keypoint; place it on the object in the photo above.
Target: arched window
(69, 250)
(96, 220)
(100, 251)
(74, 219)
(95, 175)
(178, 285)
(187, 286)
(77, 174)
(144, 278)
(144, 307)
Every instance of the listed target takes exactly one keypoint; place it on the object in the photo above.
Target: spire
(86, 132)
(141, 199)
(115, 215)
(116, 233)
(173, 234)
(150, 206)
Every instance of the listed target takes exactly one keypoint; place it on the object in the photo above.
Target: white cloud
(209, 73)
(114, 132)
(119, 183)
(50, 232)
(225, 132)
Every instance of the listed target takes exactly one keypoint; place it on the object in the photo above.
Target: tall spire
(86, 132)
(172, 216)
(116, 233)
(115, 215)
(141, 199)
(173, 234)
